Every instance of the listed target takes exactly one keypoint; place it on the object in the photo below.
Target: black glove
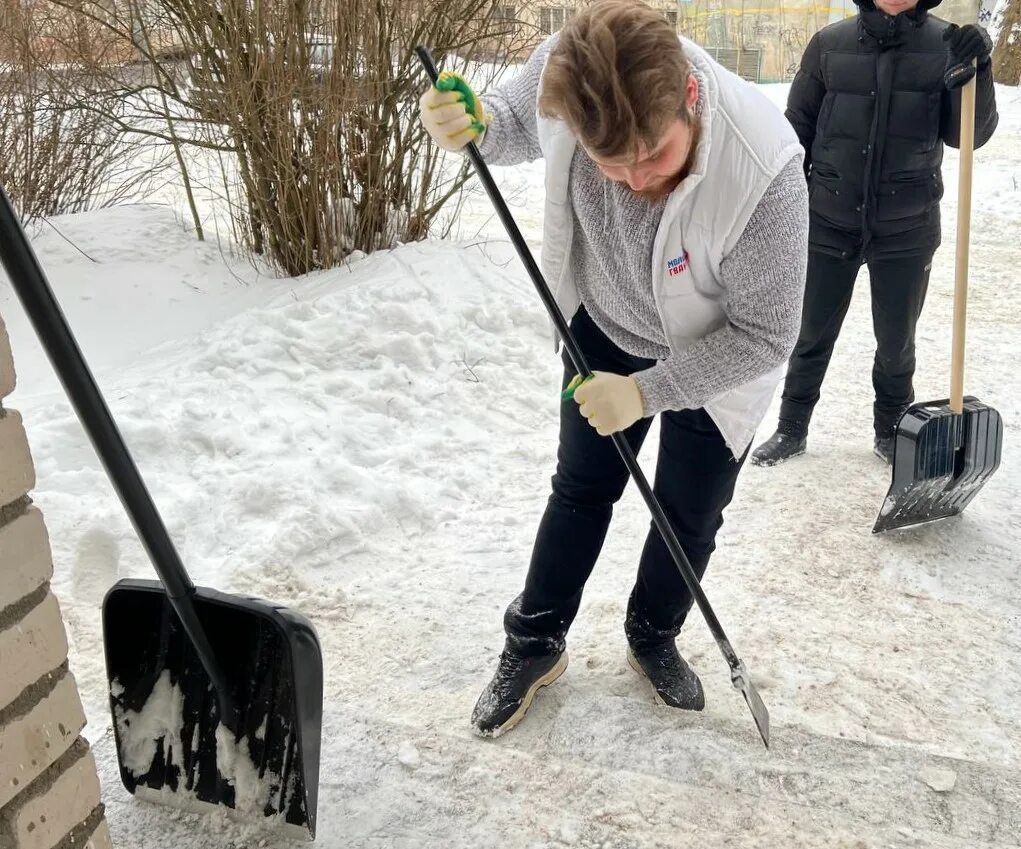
(968, 42)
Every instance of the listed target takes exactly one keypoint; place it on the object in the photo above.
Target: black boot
(652, 654)
(790, 440)
(884, 447)
(675, 683)
(885, 426)
(509, 695)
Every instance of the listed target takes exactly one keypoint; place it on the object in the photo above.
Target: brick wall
(49, 790)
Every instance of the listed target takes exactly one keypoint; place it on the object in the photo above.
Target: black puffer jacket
(872, 112)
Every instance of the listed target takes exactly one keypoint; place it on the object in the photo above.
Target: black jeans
(695, 478)
(898, 293)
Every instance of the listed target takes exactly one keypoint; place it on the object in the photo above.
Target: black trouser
(695, 477)
(898, 293)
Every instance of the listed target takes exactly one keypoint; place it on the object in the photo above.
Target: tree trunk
(1007, 55)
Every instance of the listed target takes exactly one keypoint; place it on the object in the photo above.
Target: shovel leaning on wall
(216, 698)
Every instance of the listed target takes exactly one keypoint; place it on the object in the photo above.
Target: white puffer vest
(745, 142)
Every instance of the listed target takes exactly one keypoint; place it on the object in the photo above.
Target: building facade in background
(762, 40)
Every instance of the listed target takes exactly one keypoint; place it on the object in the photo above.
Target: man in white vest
(675, 241)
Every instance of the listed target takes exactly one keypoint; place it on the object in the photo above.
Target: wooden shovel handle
(963, 235)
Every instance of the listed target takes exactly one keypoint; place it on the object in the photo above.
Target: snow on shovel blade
(171, 745)
(941, 461)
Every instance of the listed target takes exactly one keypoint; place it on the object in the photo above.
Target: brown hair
(617, 77)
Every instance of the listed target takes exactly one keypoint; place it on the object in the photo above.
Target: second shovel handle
(963, 235)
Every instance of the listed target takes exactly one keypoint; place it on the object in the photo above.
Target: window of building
(745, 62)
(716, 32)
(551, 19)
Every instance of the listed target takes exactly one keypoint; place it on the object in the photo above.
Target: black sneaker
(509, 695)
(779, 447)
(675, 683)
(884, 447)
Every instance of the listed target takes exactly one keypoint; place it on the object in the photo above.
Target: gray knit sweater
(611, 255)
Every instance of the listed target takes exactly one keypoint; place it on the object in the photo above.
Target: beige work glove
(610, 402)
(452, 113)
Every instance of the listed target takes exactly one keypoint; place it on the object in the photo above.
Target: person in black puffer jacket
(872, 108)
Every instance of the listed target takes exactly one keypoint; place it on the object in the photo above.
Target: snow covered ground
(373, 445)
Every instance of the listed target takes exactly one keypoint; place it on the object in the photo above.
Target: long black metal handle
(55, 334)
(739, 674)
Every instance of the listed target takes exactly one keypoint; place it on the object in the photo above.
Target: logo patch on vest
(678, 265)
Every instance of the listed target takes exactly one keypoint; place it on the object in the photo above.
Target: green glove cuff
(453, 81)
(576, 381)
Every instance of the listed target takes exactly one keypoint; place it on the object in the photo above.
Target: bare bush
(319, 103)
(59, 155)
(311, 105)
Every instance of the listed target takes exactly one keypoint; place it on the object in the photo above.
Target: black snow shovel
(216, 698)
(946, 450)
(738, 672)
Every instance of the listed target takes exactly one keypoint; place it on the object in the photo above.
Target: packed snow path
(638, 778)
